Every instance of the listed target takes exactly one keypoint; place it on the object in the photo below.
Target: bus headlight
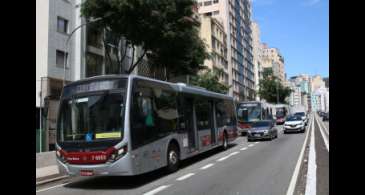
(118, 153)
(60, 155)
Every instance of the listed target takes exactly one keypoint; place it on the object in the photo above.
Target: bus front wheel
(172, 158)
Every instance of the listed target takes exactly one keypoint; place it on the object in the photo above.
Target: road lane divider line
(207, 166)
(233, 153)
(257, 142)
(245, 148)
(325, 138)
(185, 176)
(229, 155)
(250, 145)
(156, 190)
(295, 175)
(311, 184)
(324, 126)
(56, 186)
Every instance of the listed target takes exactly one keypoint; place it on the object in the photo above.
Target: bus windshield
(249, 113)
(90, 118)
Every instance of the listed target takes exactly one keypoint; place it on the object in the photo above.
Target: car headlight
(266, 131)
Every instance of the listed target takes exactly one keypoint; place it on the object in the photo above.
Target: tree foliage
(164, 29)
(270, 87)
(210, 80)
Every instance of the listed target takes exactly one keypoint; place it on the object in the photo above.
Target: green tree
(270, 87)
(164, 29)
(210, 80)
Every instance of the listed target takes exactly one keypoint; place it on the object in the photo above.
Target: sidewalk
(47, 169)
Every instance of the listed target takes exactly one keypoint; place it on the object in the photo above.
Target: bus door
(213, 126)
(190, 122)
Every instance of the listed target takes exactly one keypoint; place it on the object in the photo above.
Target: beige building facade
(237, 25)
(257, 53)
(213, 34)
(272, 58)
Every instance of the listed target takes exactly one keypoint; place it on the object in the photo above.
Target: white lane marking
(295, 175)
(56, 186)
(256, 142)
(185, 176)
(207, 166)
(223, 158)
(229, 155)
(311, 185)
(325, 138)
(157, 190)
(245, 148)
(233, 153)
(250, 145)
(324, 126)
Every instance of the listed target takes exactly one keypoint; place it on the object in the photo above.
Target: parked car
(326, 117)
(303, 116)
(264, 129)
(294, 123)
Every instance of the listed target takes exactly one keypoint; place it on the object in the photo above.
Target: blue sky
(299, 29)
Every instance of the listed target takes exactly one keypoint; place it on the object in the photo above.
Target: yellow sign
(108, 135)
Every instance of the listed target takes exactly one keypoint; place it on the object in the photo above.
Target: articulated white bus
(129, 125)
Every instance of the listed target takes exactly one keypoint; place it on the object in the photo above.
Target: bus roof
(180, 87)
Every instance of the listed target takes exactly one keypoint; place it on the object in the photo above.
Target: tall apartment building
(317, 82)
(257, 52)
(54, 20)
(236, 18)
(295, 97)
(85, 56)
(272, 58)
(213, 34)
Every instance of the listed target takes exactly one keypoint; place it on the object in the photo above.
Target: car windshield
(90, 118)
(300, 114)
(294, 118)
(261, 124)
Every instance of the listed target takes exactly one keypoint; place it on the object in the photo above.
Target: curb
(51, 179)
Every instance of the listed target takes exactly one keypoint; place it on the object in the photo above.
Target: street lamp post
(66, 46)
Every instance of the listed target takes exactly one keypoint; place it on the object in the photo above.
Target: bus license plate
(86, 173)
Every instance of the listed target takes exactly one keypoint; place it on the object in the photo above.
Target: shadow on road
(131, 182)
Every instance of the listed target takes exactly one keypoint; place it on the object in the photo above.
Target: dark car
(326, 117)
(262, 130)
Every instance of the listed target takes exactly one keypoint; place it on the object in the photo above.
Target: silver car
(265, 129)
(294, 123)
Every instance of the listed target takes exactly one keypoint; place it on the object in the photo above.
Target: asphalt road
(263, 167)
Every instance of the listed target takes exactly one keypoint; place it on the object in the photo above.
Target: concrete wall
(42, 12)
(46, 164)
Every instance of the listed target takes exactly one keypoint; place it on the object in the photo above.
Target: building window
(94, 64)
(215, 12)
(94, 36)
(208, 14)
(62, 25)
(215, 1)
(60, 58)
(207, 3)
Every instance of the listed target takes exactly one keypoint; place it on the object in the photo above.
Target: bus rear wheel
(173, 158)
